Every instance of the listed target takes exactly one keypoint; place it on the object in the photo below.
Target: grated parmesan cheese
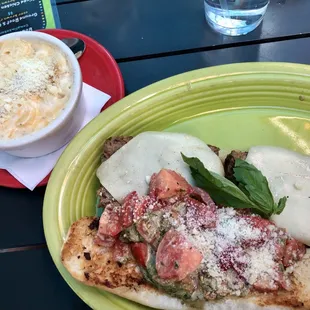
(233, 229)
(260, 261)
(31, 76)
(223, 246)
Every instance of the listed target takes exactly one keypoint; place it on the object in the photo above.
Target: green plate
(233, 106)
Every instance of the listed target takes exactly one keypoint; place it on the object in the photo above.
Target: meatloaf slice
(113, 144)
(215, 149)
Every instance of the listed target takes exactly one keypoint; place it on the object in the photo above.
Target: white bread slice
(94, 266)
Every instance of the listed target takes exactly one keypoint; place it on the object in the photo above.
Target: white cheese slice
(130, 168)
(288, 174)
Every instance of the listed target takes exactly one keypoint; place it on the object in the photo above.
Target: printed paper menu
(18, 15)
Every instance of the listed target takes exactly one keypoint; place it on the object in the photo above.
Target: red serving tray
(99, 69)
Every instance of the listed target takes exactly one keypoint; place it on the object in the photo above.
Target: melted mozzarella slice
(288, 174)
(130, 168)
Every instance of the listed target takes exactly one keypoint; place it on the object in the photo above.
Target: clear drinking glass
(235, 17)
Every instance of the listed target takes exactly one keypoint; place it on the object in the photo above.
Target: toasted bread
(94, 266)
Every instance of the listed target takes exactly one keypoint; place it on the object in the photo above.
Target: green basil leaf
(281, 205)
(221, 190)
(252, 191)
(255, 183)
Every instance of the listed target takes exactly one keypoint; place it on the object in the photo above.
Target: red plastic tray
(99, 69)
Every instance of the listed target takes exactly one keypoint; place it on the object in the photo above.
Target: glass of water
(235, 17)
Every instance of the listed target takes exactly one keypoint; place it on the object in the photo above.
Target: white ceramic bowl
(60, 131)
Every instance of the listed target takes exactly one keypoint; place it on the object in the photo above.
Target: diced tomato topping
(253, 242)
(279, 250)
(266, 284)
(140, 207)
(265, 226)
(134, 207)
(201, 195)
(167, 183)
(176, 257)
(139, 252)
(233, 258)
(121, 251)
(105, 241)
(260, 223)
(200, 214)
(152, 185)
(110, 223)
(282, 280)
(128, 206)
(201, 208)
(294, 252)
(225, 260)
(158, 205)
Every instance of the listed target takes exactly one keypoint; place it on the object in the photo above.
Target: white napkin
(31, 171)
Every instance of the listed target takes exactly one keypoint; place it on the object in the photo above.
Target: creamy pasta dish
(35, 85)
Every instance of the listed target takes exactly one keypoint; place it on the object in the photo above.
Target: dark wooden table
(151, 40)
